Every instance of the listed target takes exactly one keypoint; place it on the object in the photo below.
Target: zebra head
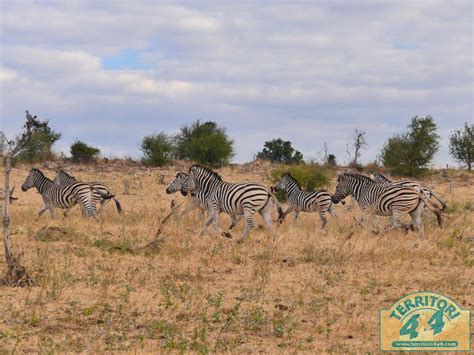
(343, 188)
(63, 178)
(285, 182)
(180, 183)
(31, 179)
(200, 176)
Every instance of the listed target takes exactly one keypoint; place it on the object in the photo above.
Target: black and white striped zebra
(428, 193)
(383, 200)
(239, 199)
(60, 196)
(305, 201)
(101, 193)
(199, 199)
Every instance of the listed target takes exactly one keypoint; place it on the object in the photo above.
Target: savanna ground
(96, 289)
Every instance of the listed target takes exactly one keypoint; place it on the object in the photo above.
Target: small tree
(461, 145)
(39, 146)
(411, 153)
(16, 273)
(205, 143)
(280, 151)
(81, 152)
(158, 149)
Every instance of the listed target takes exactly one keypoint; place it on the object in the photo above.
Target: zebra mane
(210, 171)
(293, 179)
(61, 171)
(356, 176)
(38, 171)
(382, 177)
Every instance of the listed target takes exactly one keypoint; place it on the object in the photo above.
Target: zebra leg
(395, 221)
(103, 205)
(288, 211)
(248, 215)
(416, 218)
(41, 211)
(267, 217)
(297, 213)
(235, 219)
(323, 218)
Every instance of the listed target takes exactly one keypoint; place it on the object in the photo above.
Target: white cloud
(311, 71)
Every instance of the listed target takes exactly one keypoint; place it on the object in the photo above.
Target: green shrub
(157, 149)
(81, 152)
(205, 143)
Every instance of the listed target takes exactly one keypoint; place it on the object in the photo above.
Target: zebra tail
(118, 205)
(432, 208)
(106, 196)
(281, 213)
(443, 204)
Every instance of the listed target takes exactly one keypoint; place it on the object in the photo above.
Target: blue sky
(112, 72)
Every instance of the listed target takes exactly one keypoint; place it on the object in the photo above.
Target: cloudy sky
(110, 72)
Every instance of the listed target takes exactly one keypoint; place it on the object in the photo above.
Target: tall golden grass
(96, 289)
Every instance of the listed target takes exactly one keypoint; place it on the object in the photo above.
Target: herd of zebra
(207, 190)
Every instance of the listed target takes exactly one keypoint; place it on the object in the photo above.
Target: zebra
(305, 201)
(60, 196)
(382, 179)
(383, 200)
(101, 193)
(239, 199)
(198, 199)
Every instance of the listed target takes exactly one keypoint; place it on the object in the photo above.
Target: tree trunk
(16, 274)
(6, 216)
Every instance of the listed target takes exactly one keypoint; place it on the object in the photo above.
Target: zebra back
(382, 198)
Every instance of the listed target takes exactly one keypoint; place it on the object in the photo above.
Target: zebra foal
(60, 196)
(305, 201)
(199, 199)
(383, 200)
(238, 199)
(101, 193)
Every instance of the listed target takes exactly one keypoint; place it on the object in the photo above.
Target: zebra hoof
(227, 235)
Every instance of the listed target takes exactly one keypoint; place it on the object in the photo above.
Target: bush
(39, 147)
(280, 151)
(81, 152)
(205, 143)
(310, 176)
(410, 153)
(157, 149)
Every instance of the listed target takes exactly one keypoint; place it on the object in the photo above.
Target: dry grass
(314, 290)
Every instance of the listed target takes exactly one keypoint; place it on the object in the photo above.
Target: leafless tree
(355, 146)
(16, 273)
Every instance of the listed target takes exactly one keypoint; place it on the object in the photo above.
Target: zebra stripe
(305, 201)
(238, 199)
(381, 179)
(199, 199)
(384, 200)
(60, 196)
(101, 193)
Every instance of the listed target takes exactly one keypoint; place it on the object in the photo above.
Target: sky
(110, 72)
